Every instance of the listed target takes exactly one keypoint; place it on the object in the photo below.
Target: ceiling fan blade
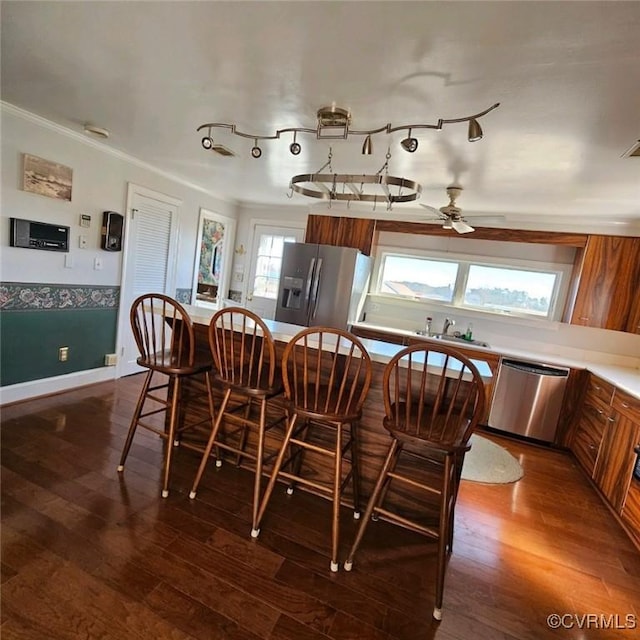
(461, 227)
(433, 210)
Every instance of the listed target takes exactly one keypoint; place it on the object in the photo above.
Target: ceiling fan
(451, 215)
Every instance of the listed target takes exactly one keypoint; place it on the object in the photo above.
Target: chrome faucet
(448, 322)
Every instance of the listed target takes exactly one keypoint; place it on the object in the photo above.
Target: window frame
(465, 261)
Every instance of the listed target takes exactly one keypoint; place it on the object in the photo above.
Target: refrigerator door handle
(316, 287)
(310, 276)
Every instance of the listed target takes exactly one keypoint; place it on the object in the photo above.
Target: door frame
(124, 328)
(253, 244)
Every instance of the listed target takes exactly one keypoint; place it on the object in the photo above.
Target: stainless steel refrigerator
(322, 285)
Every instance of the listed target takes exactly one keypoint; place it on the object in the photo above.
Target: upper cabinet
(341, 232)
(608, 289)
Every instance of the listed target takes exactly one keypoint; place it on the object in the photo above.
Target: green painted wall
(30, 340)
(36, 319)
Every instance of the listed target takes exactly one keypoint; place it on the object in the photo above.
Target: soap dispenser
(427, 326)
(469, 334)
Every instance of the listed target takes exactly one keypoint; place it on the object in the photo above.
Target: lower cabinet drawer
(588, 434)
(585, 446)
(627, 405)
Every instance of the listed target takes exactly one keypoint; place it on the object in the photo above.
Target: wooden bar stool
(244, 358)
(326, 375)
(165, 337)
(433, 400)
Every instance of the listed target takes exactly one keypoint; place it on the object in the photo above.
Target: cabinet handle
(625, 405)
(597, 388)
(610, 419)
(583, 318)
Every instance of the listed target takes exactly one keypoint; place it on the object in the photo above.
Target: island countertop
(625, 378)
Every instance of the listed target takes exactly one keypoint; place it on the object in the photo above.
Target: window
(418, 278)
(494, 285)
(509, 290)
(268, 263)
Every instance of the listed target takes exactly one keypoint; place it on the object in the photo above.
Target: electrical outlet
(63, 354)
(110, 359)
(97, 264)
(82, 242)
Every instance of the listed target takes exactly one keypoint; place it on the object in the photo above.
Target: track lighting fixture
(295, 147)
(256, 151)
(409, 144)
(334, 123)
(475, 131)
(207, 142)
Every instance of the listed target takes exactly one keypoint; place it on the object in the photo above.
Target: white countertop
(625, 378)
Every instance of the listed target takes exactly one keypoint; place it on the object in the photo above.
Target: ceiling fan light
(367, 147)
(461, 227)
(475, 131)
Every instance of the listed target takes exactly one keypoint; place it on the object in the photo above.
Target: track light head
(367, 147)
(295, 148)
(475, 131)
(409, 144)
(256, 151)
(207, 142)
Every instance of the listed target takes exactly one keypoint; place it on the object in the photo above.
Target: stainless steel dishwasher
(528, 399)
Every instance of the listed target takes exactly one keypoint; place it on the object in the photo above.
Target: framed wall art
(214, 255)
(46, 178)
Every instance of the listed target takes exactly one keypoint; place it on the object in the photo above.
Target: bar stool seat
(433, 400)
(165, 338)
(246, 375)
(326, 374)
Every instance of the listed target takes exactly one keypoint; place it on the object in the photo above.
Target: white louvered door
(149, 261)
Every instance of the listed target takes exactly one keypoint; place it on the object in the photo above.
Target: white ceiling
(567, 75)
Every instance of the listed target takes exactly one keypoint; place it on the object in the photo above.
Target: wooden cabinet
(607, 291)
(631, 511)
(604, 443)
(590, 429)
(633, 321)
(341, 232)
(619, 457)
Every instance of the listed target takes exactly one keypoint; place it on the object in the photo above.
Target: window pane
(510, 289)
(268, 265)
(418, 278)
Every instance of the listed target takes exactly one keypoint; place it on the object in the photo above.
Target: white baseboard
(46, 386)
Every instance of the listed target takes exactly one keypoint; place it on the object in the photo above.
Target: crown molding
(100, 146)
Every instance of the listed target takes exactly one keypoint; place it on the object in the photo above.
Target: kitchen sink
(450, 338)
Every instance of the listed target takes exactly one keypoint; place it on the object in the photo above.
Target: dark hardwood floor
(89, 553)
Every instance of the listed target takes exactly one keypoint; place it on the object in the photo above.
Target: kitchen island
(373, 438)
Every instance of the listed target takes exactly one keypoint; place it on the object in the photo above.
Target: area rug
(490, 463)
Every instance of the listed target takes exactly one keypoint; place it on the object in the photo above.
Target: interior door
(151, 235)
(265, 263)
